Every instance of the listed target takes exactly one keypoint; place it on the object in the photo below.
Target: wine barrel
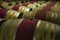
(56, 7)
(44, 0)
(49, 16)
(4, 4)
(49, 6)
(19, 8)
(26, 29)
(45, 9)
(10, 14)
(53, 6)
(27, 0)
(45, 6)
(7, 4)
(26, 9)
(34, 6)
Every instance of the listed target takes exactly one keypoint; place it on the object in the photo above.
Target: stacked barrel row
(48, 11)
(25, 20)
(26, 29)
(28, 0)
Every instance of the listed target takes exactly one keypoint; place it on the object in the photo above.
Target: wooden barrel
(35, 6)
(4, 4)
(46, 13)
(46, 31)
(31, 4)
(27, 0)
(52, 6)
(7, 4)
(49, 6)
(56, 7)
(50, 0)
(42, 13)
(19, 8)
(44, 8)
(26, 10)
(10, 14)
(25, 29)
(53, 17)
(49, 16)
